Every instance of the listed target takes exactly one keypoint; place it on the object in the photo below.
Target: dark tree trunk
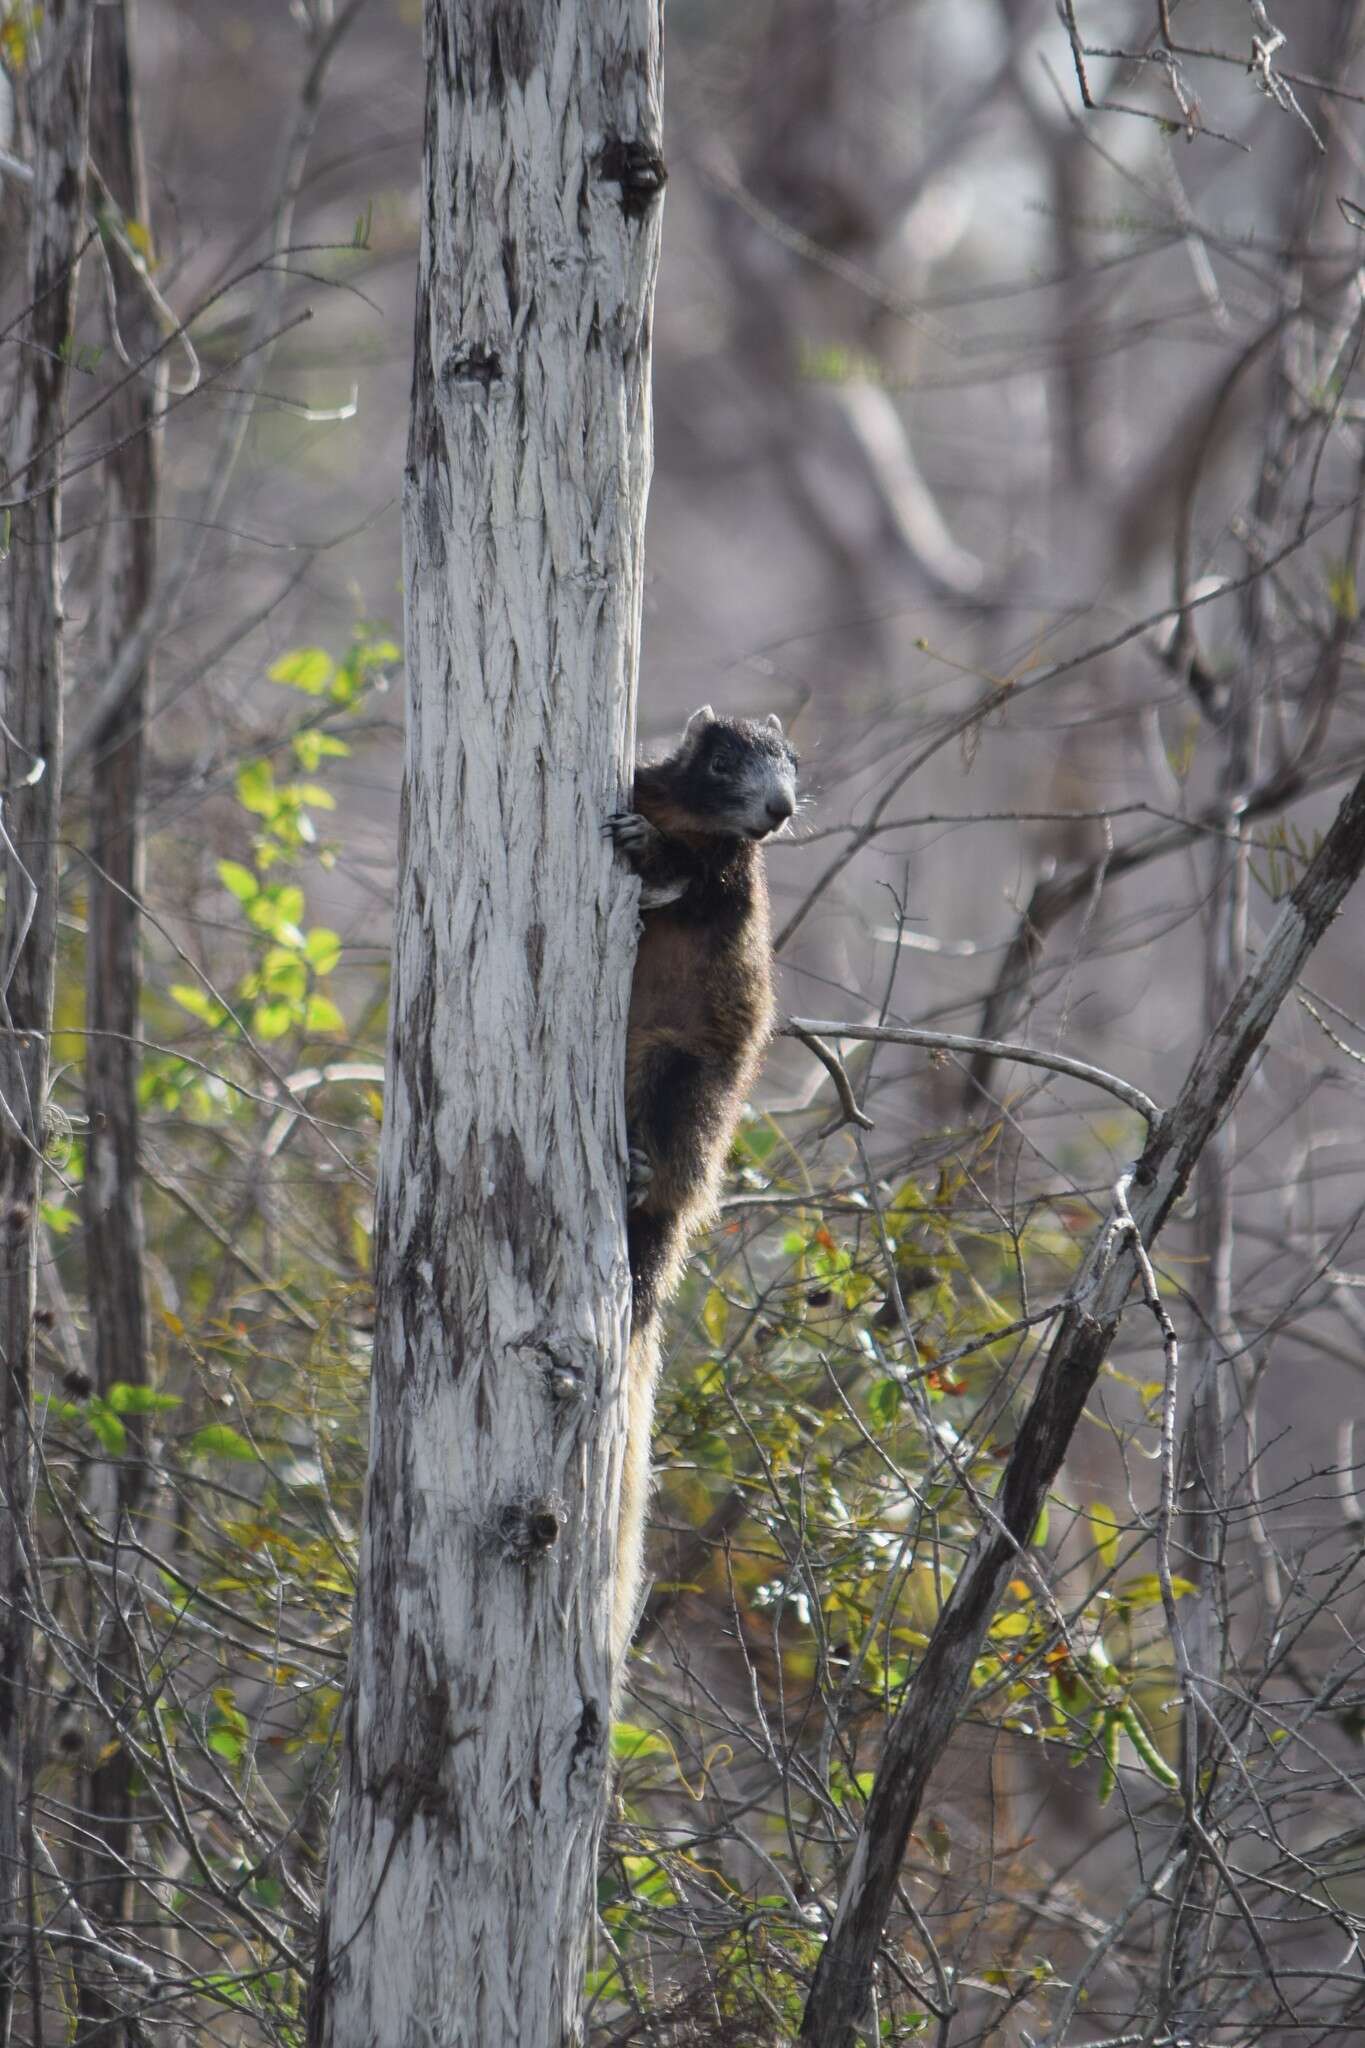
(57, 104)
(112, 1195)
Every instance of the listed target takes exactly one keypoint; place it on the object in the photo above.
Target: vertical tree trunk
(57, 80)
(127, 571)
(461, 1878)
(112, 1197)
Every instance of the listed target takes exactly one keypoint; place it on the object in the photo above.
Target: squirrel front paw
(639, 843)
(639, 1174)
(630, 834)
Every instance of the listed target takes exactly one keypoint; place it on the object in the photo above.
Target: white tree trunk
(461, 1878)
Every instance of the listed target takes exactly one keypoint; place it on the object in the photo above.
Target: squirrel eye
(716, 765)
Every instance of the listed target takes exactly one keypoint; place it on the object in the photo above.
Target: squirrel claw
(629, 830)
(639, 1174)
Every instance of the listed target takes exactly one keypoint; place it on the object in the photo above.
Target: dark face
(743, 776)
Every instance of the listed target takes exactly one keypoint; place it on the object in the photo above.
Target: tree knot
(638, 168)
(530, 1528)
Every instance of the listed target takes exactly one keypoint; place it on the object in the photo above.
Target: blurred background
(1010, 432)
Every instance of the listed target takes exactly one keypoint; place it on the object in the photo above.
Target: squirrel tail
(637, 1485)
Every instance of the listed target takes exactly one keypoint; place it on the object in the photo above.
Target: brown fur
(701, 1012)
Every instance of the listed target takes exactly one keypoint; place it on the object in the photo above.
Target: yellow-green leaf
(220, 1440)
(242, 883)
(1104, 1526)
(198, 1003)
(309, 669)
(322, 949)
(322, 1015)
(256, 790)
(1145, 1590)
(272, 1020)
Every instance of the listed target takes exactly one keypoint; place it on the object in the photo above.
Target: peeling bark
(460, 1885)
(57, 98)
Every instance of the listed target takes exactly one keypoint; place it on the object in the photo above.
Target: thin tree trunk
(112, 1195)
(57, 80)
(461, 1877)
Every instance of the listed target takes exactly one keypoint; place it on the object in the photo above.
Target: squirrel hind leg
(653, 1245)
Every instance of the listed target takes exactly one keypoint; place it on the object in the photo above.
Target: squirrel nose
(780, 807)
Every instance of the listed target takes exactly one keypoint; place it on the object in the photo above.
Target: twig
(807, 1029)
(933, 1703)
(160, 607)
(834, 1067)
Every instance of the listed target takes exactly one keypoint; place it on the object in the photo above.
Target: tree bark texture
(127, 572)
(57, 102)
(841, 1992)
(461, 1878)
(111, 1190)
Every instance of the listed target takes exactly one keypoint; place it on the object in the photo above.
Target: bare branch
(807, 1028)
(931, 1708)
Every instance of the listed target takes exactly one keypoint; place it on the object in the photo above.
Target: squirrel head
(735, 776)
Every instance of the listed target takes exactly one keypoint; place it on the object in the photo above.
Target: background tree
(31, 650)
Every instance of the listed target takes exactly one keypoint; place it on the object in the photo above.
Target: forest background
(1012, 451)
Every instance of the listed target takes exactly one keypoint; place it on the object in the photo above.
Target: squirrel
(701, 1010)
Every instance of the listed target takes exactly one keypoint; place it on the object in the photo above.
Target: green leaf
(126, 1399)
(1104, 1526)
(628, 1741)
(1009, 1627)
(322, 949)
(140, 235)
(220, 1440)
(243, 884)
(106, 1426)
(309, 669)
(1145, 1590)
(322, 1015)
(313, 793)
(65, 1411)
(277, 910)
(198, 1002)
(272, 1020)
(283, 974)
(256, 790)
(715, 1314)
(225, 1699)
(1040, 1528)
(883, 1402)
(226, 1742)
(57, 1218)
(312, 747)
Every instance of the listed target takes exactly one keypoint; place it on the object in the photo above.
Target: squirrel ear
(774, 721)
(706, 716)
